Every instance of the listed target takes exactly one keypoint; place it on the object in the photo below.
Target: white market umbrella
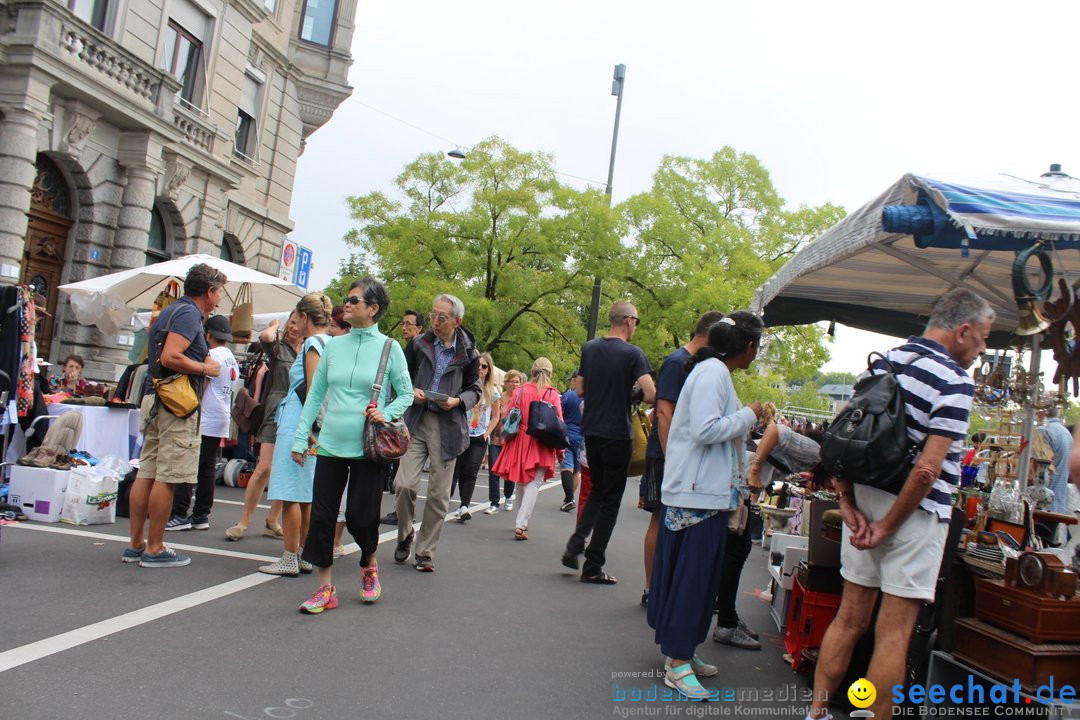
(109, 301)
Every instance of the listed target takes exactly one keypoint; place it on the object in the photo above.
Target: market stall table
(105, 430)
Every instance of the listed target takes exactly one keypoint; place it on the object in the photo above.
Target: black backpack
(867, 442)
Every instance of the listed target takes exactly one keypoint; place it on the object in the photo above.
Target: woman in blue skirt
(289, 482)
(702, 472)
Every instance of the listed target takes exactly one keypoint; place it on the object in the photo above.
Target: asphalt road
(500, 630)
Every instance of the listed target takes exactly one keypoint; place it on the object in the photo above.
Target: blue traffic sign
(303, 266)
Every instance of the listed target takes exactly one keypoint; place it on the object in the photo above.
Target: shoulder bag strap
(376, 388)
(168, 326)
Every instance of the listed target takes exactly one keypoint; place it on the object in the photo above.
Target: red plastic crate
(809, 615)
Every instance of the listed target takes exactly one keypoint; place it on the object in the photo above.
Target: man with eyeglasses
(443, 361)
(609, 368)
(412, 324)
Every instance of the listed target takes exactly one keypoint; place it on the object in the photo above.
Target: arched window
(230, 249)
(157, 244)
(227, 251)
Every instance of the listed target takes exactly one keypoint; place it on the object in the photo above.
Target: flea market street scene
(569, 361)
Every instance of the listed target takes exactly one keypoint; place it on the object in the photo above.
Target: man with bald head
(609, 368)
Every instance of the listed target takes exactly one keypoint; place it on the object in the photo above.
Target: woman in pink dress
(524, 461)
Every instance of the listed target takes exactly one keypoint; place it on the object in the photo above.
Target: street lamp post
(617, 90)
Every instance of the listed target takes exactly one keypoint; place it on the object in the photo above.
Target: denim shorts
(572, 459)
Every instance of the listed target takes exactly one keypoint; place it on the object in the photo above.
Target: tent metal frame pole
(1029, 412)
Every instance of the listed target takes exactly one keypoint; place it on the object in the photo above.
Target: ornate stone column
(18, 152)
(140, 153)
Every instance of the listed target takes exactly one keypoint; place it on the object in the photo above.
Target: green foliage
(352, 269)
(835, 378)
(499, 231)
(521, 250)
(705, 236)
(806, 396)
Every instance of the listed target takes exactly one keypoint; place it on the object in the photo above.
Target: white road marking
(238, 502)
(50, 646)
(16, 657)
(120, 538)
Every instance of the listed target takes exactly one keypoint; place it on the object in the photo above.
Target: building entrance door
(43, 263)
(46, 243)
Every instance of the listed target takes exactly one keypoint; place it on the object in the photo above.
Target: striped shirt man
(937, 399)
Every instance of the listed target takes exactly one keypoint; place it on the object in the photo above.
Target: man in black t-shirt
(609, 368)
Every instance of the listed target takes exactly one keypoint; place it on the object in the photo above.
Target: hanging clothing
(24, 398)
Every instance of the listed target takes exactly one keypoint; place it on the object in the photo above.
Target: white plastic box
(39, 492)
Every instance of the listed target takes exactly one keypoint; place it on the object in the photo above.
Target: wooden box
(1008, 656)
(1039, 618)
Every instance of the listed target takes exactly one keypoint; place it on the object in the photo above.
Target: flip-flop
(600, 579)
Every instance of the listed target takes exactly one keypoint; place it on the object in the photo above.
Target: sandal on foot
(683, 679)
(519, 534)
(275, 532)
(600, 579)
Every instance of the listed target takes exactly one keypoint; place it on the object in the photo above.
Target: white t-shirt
(218, 393)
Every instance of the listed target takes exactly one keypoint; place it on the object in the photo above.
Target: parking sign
(303, 266)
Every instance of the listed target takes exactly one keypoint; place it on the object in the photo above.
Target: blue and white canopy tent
(882, 267)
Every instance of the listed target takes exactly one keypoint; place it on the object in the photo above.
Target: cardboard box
(39, 492)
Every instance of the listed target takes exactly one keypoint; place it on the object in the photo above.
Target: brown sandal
(519, 534)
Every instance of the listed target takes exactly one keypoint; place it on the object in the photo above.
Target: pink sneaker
(370, 589)
(325, 598)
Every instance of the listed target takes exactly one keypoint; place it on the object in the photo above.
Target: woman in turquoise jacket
(345, 375)
(703, 466)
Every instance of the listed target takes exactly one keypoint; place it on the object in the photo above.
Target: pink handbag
(386, 441)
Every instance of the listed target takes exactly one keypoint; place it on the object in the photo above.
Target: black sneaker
(389, 519)
(424, 564)
(645, 598)
(404, 547)
(570, 560)
(568, 506)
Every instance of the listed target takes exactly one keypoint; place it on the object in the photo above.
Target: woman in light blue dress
(290, 483)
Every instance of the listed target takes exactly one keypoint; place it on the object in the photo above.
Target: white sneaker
(509, 504)
(464, 514)
(491, 510)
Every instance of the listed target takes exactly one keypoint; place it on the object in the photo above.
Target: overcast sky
(837, 99)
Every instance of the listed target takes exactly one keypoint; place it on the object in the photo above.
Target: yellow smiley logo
(862, 693)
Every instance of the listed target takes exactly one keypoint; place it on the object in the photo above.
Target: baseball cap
(218, 326)
(571, 376)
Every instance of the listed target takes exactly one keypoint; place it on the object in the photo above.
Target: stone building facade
(133, 131)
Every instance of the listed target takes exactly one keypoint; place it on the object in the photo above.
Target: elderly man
(893, 541)
(170, 451)
(442, 361)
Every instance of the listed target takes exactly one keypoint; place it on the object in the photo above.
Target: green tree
(706, 234)
(502, 233)
(835, 378)
(806, 396)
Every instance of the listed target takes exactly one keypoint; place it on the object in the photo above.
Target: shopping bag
(242, 320)
(641, 426)
(90, 498)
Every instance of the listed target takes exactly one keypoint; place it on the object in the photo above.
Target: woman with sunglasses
(346, 375)
(480, 425)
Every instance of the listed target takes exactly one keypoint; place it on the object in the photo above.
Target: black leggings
(362, 506)
(736, 550)
(467, 468)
